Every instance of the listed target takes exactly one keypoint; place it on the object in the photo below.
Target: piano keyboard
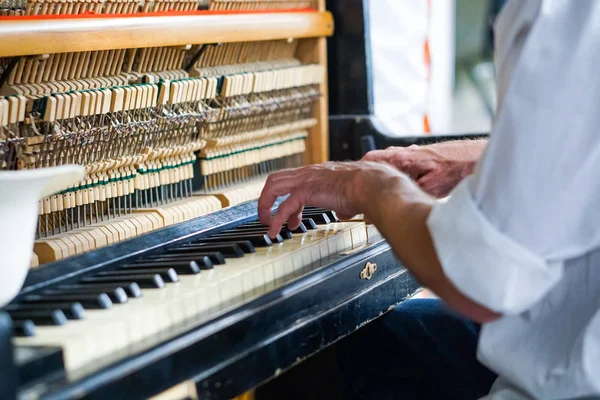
(113, 313)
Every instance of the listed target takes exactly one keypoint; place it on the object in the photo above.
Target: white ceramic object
(20, 193)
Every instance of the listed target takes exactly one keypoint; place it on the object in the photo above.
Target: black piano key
(87, 300)
(318, 217)
(147, 281)
(40, 317)
(330, 214)
(167, 274)
(260, 234)
(248, 228)
(215, 257)
(256, 240)
(229, 250)
(284, 232)
(253, 225)
(131, 288)
(117, 295)
(204, 260)
(305, 225)
(72, 310)
(181, 267)
(25, 327)
(198, 263)
(309, 223)
(300, 229)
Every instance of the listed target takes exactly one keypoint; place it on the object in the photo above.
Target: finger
(286, 209)
(265, 203)
(418, 169)
(276, 185)
(295, 219)
(374, 155)
(345, 217)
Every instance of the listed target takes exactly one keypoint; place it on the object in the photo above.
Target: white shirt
(522, 235)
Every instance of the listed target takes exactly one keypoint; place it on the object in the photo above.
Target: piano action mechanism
(153, 272)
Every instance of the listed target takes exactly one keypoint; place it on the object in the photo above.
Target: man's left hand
(348, 188)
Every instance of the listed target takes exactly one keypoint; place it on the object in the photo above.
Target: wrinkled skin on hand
(436, 168)
(344, 187)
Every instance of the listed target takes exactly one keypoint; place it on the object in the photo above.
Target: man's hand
(387, 197)
(436, 168)
(347, 188)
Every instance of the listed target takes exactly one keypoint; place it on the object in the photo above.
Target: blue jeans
(420, 350)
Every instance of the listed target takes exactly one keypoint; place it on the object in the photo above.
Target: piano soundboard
(153, 273)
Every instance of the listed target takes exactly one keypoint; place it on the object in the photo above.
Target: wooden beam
(317, 149)
(21, 36)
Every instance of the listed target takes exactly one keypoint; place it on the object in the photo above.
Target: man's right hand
(436, 168)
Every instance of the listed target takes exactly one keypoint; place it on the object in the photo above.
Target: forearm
(403, 224)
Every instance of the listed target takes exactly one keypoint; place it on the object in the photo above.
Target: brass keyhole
(368, 271)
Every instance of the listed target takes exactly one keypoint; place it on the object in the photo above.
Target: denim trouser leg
(419, 350)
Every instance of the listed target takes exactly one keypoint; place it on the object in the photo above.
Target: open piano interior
(160, 243)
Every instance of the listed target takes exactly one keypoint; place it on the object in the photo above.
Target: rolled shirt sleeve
(484, 263)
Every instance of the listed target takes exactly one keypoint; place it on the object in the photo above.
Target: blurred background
(432, 63)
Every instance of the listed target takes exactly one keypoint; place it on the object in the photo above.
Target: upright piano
(152, 276)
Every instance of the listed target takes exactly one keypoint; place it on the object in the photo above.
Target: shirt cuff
(483, 263)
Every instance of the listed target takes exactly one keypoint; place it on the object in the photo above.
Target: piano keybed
(118, 311)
